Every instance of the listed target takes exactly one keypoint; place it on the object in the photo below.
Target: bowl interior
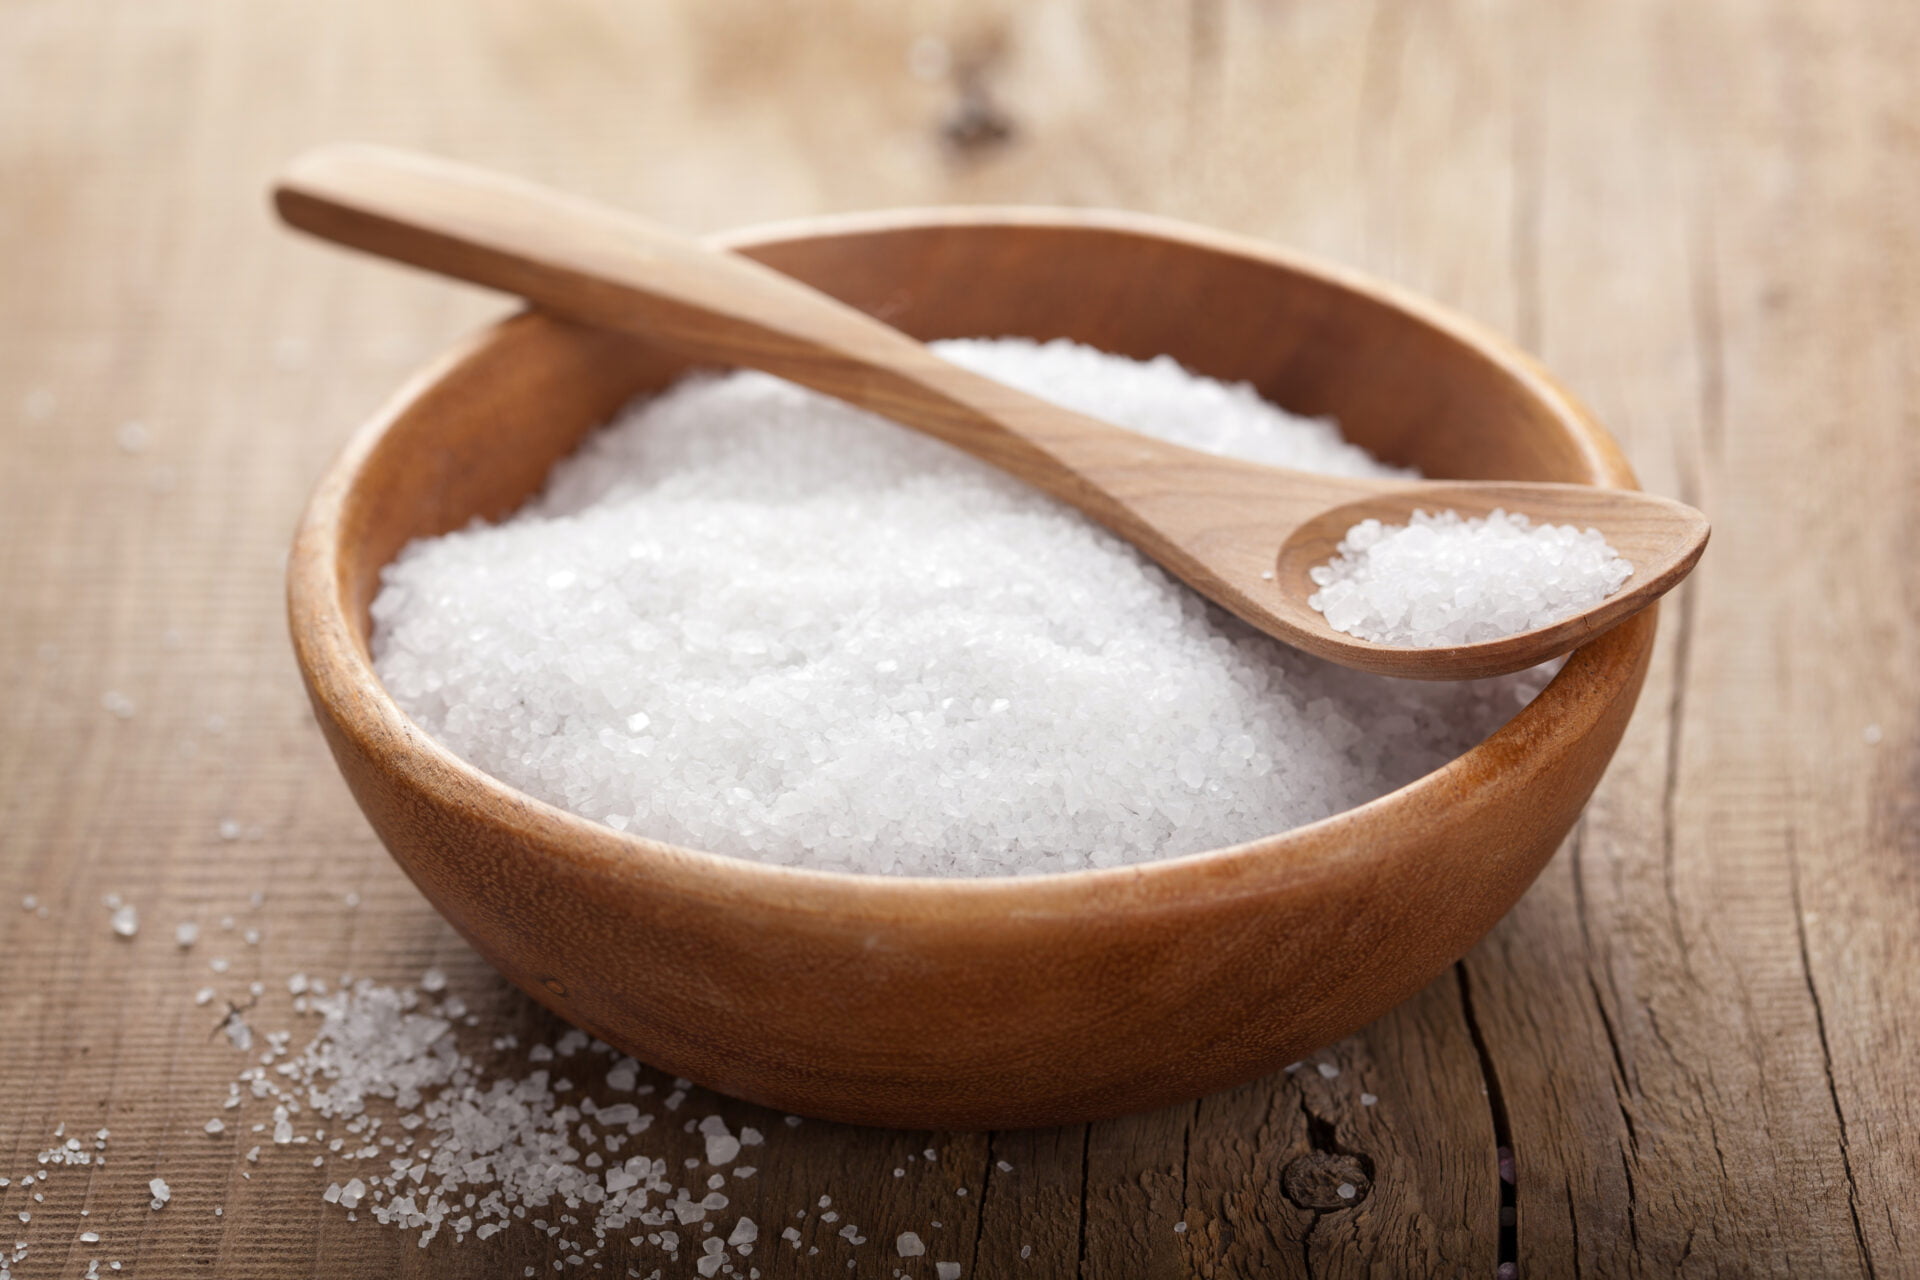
(1411, 384)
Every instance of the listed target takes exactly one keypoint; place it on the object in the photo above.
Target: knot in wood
(1326, 1180)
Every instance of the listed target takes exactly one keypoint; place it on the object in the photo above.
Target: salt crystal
(1871, 735)
(1368, 1099)
(132, 437)
(186, 933)
(1447, 580)
(161, 1191)
(126, 922)
(118, 703)
(216, 1125)
(898, 609)
(1328, 1070)
(1346, 1191)
(229, 829)
(947, 1270)
(909, 1245)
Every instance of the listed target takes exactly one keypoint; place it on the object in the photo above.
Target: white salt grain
(126, 922)
(1444, 580)
(947, 1270)
(752, 620)
(1871, 735)
(161, 1191)
(909, 1245)
(186, 933)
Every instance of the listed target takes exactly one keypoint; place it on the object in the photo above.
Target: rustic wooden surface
(1698, 1033)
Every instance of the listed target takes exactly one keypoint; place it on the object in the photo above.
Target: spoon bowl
(1661, 539)
(992, 1002)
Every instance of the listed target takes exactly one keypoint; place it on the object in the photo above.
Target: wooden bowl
(991, 1002)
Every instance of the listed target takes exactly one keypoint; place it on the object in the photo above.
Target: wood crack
(1186, 1158)
(1633, 1202)
(1573, 1226)
(1086, 1161)
(1826, 1056)
(980, 1209)
(1508, 1223)
(1621, 1088)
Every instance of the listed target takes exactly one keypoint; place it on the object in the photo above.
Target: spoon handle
(606, 268)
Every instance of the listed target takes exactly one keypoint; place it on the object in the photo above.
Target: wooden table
(1697, 1035)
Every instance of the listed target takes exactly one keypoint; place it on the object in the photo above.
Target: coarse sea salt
(752, 620)
(1448, 580)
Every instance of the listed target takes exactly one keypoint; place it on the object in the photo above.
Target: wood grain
(1696, 1032)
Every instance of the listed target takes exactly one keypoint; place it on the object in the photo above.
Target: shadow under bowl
(945, 1003)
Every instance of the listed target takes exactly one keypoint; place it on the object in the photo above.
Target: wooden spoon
(1242, 534)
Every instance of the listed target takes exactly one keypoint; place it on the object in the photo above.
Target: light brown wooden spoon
(1242, 534)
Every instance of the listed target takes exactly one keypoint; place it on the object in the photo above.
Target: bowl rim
(339, 673)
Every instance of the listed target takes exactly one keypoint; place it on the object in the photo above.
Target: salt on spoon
(1242, 534)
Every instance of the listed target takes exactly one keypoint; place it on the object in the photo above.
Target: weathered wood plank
(1693, 1032)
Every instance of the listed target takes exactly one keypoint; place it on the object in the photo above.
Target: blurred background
(1690, 1048)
